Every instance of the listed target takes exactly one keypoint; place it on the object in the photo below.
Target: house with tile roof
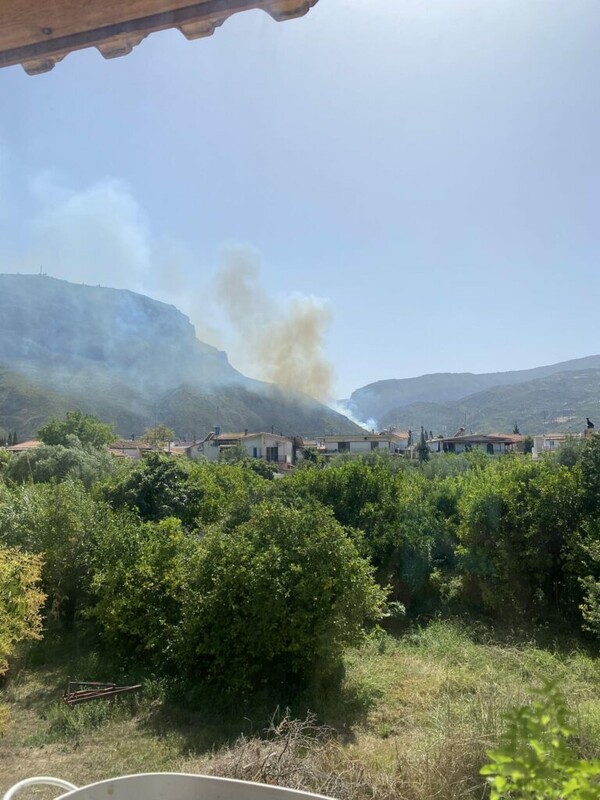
(267, 446)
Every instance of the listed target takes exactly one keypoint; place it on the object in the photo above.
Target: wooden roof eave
(38, 34)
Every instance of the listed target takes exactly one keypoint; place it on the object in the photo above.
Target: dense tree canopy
(86, 428)
(56, 462)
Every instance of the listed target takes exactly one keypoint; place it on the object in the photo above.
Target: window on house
(272, 453)
(255, 452)
(343, 447)
(374, 445)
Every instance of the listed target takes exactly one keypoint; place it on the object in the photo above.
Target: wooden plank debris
(93, 690)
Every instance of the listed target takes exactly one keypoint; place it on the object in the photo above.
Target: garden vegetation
(222, 585)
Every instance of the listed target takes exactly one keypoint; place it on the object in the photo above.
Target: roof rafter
(39, 33)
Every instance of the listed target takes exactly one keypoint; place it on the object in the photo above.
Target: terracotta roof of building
(472, 438)
(234, 437)
(39, 33)
(513, 437)
(358, 437)
(128, 444)
(32, 444)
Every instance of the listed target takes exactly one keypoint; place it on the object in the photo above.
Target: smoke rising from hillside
(281, 340)
(100, 234)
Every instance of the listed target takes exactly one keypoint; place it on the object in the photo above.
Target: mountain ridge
(131, 360)
(375, 400)
(557, 403)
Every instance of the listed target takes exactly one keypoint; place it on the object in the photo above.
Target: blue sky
(427, 171)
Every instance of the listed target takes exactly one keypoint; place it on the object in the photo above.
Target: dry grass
(413, 723)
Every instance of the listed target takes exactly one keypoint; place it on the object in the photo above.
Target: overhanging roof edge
(119, 36)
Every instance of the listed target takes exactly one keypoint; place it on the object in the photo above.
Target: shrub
(273, 601)
(195, 493)
(404, 532)
(157, 488)
(59, 522)
(516, 518)
(20, 600)
(134, 586)
(536, 760)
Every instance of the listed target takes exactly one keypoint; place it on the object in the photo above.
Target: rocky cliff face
(130, 360)
(50, 326)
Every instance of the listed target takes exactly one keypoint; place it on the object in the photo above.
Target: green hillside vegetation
(25, 406)
(397, 609)
(378, 400)
(238, 407)
(558, 403)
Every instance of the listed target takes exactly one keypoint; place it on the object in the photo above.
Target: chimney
(245, 431)
(217, 430)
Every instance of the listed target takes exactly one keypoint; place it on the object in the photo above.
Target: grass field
(413, 720)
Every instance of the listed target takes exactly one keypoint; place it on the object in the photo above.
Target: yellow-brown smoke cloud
(279, 340)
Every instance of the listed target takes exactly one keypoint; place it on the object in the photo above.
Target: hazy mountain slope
(130, 360)
(24, 407)
(555, 403)
(62, 330)
(236, 407)
(377, 399)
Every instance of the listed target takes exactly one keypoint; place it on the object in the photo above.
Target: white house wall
(261, 443)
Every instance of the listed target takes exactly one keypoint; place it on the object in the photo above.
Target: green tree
(394, 506)
(160, 436)
(582, 564)
(528, 444)
(86, 428)
(235, 454)
(589, 465)
(422, 449)
(55, 462)
(158, 487)
(5, 459)
(569, 452)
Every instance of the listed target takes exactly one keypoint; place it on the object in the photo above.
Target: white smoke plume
(342, 408)
(278, 340)
(98, 234)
